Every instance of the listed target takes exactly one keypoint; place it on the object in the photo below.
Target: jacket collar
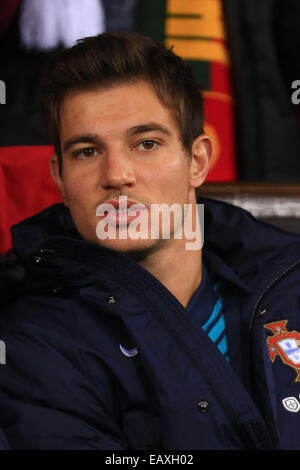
(255, 252)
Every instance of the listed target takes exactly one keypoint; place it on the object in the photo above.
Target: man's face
(122, 141)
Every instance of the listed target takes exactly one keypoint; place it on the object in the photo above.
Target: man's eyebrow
(95, 139)
(82, 138)
(148, 127)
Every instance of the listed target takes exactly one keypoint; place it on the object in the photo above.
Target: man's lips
(122, 213)
(122, 205)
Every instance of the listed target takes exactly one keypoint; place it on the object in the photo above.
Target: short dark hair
(110, 59)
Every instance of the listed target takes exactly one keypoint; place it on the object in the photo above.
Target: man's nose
(117, 170)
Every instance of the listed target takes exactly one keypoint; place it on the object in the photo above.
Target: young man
(144, 342)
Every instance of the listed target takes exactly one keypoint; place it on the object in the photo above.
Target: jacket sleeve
(47, 397)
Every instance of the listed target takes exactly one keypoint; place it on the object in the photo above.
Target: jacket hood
(255, 251)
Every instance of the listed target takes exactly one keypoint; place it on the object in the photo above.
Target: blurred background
(245, 54)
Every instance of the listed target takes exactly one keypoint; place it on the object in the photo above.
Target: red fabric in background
(8, 12)
(26, 186)
(219, 119)
(219, 126)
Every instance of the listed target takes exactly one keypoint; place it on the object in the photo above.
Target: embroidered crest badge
(286, 344)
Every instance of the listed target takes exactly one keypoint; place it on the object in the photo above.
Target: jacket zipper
(273, 432)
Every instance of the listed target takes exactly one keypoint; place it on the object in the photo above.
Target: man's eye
(85, 153)
(147, 145)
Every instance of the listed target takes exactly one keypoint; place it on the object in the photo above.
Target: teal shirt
(206, 306)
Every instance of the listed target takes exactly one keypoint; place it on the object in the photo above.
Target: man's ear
(54, 170)
(201, 159)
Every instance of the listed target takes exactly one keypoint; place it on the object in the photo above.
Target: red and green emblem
(286, 344)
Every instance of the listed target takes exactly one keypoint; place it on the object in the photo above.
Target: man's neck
(181, 274)
(176, 267)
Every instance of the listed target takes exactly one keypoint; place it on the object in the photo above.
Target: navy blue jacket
(67, 305)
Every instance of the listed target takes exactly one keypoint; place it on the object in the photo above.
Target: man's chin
(135, 249)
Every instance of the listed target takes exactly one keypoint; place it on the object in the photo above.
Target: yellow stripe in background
(198, 49)
(212, 9)
(218, 95)
(195, 27)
